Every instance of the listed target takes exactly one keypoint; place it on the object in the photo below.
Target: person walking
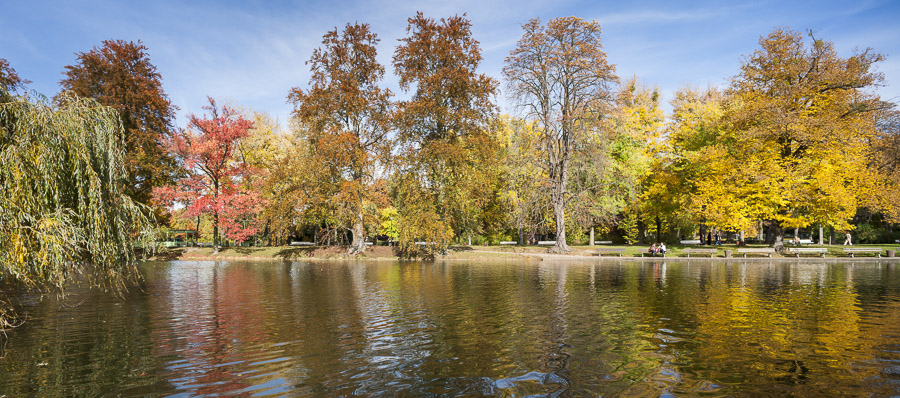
(848, 241)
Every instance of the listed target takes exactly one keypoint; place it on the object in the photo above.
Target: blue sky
(253, 52)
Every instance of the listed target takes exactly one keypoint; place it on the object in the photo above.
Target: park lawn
(501, 252)
(316, 252)
(678, 250)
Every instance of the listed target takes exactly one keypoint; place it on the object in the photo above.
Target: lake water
(455, 328)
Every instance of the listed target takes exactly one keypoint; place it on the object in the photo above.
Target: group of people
(654, 249)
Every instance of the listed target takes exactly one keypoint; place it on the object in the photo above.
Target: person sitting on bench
(662, 248)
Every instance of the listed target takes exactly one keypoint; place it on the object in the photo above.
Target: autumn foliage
(559, 74)
(119, 74)
(797, 139)
(443, 134)
(345, 118)
(216, 180)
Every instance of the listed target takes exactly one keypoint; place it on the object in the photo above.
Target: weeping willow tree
(63, 212)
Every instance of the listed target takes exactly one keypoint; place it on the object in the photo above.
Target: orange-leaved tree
(119, 74)
(443, 131)
(9, 79)
(345, 117)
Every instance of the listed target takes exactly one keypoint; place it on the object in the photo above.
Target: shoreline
(384, 253)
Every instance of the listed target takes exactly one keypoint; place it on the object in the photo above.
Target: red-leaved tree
(217, 181)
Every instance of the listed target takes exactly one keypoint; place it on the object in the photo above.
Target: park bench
(546, 243)
(506, 242)
(647, 253)
(854, 250)
(762, 250)
(602, 242)
(809, 250)
(302, 244)
(802, 242)
(690, 242)
(611, 250)
(711, 252)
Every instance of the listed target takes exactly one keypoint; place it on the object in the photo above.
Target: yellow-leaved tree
(799, 127)
(638, 123)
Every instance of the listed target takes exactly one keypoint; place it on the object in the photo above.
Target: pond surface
(510, 329)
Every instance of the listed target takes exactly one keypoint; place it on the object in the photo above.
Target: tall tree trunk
(776, 236)
(359, 236)
(831, 238)
(741, 242)
(521, 235)
(703, 240)
(821, 237)
(642, 231)
(658, 229)
(197, 231)
(216, 216)
(592, 236)
(557, 197)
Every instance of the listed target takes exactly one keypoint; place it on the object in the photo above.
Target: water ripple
(516, 329)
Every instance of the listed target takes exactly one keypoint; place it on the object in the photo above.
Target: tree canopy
(560, 75)
(345, 117)
(442, 131)
(216, 180)
(119, 74)
(63, 207)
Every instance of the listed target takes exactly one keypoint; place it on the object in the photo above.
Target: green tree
(526, 181)
(627, 156)
(63, 207)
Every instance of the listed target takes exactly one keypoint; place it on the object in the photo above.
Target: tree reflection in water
(572, 328)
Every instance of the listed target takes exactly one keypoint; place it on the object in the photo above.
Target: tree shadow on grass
(247, 250)
(163, 254)
(295, 253)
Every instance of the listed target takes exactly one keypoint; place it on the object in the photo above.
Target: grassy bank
(678, 250)
(291, 253)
